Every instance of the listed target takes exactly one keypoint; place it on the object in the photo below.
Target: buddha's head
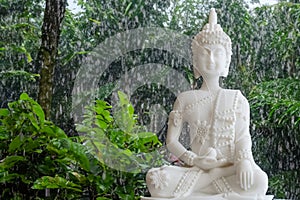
(211, 50)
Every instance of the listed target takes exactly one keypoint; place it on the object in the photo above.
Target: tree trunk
(53, 16)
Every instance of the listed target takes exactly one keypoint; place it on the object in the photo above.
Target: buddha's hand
(206, 163)
(245, 174)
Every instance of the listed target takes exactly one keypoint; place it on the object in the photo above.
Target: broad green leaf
(6, 177)
(56, 147)
(79, 152)
(49, 130)
(55, 182)
(33, 120)
(53, 131)
(16, 143)
(124, 114)
(24, 96)
(99, 109)
(101, 124)
(32, 145)
(107, 116)
(102, 198)
(37, 109)
(10, 161)
(4, 112)
(59, 132)
(148, 137)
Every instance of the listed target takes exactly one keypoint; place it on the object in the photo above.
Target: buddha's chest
(211, 127)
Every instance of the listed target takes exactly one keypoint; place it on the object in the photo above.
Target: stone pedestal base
(205, 197)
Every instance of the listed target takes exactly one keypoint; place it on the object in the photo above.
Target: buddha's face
(210, 60)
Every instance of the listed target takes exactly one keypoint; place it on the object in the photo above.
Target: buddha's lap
(175, 174)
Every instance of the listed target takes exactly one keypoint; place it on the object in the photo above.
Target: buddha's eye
(219, 52)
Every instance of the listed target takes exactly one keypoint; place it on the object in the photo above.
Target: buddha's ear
(228, 61)
(197, 73)
(224, 73)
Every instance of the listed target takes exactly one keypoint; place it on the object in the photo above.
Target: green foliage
(118, 141)
(20, 22)
(277, 51)
(19, 38)
(282, 99)
(279, 183)
(37, 155)
(55, 183)
(32, 147)
(125, 152)
(275, 113)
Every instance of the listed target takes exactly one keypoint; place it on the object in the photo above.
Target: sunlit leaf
(4, 112)
(16, 143)
(10, 161)
(55, 182)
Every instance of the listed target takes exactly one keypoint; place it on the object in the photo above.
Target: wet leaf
(4, 112)
(10, 161)
(55, 182)
(16, 143)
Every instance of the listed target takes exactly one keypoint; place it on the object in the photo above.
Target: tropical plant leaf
(55, 183)
(10, 161)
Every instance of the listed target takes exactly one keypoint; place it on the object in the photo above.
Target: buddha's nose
(211, 56)
(211, 60)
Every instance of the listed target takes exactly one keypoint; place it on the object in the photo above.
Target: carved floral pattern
(202, 131)
(159, 179)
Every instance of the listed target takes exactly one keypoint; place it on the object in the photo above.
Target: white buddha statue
(219, 164)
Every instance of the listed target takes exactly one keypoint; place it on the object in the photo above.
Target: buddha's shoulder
(188, 95)
(233, 92)
(236, 95)
(192, 97)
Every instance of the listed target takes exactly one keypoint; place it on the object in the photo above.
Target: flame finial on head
(212, 17)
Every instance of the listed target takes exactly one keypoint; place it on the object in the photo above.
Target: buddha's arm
(243, 143)
(174, 131)
(243, 155)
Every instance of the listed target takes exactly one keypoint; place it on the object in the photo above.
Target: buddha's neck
(211, 85)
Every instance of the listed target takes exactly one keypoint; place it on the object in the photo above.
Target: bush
(37, 157)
